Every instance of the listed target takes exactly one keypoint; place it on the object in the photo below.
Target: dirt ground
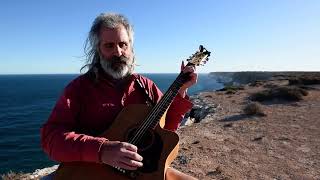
(284, 144)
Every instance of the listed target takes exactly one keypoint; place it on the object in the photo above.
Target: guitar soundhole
(150, 148)
(146, 140)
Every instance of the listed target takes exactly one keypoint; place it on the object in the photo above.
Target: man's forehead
(117, 33)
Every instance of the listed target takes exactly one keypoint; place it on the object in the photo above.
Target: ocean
(25, 104)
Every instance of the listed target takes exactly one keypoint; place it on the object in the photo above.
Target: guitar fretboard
(158, 110)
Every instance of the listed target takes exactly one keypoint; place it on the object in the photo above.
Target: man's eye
(123, 45)
(108, 45)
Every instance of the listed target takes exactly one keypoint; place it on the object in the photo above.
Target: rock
(199, 111)
(259, 138)
(43, 172)
(214, 172)
(182, 159)
(228, 125)
(196, 142)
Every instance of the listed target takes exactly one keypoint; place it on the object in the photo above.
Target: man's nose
(118, 51)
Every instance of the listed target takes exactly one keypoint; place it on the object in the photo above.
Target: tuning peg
(201, 48)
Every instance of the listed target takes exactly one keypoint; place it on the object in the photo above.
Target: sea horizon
(167, 72)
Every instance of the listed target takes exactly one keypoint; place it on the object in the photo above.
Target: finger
(189, 69)
(125, 166)
(182, 66)
(131, 162)
(194, 78)
(133, 156)
(129, 146)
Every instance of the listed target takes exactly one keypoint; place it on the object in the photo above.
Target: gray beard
(117, 72)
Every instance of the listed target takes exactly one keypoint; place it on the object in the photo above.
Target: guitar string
(173, 90)
(154, 114)
(148, 121)
(141, 135)
(143, 129)
(146, 125)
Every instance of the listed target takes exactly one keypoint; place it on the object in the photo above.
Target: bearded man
(90, 103)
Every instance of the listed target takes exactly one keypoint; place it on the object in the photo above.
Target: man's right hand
(120, 154)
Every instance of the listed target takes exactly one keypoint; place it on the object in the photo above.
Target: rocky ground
(222, 142)
(227, 144)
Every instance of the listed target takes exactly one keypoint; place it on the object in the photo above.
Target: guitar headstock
(199, 58)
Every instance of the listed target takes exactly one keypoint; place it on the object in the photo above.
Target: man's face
(116, 56)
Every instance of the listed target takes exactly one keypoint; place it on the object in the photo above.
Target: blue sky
(46, 37)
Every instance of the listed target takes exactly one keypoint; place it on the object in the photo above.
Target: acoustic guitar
(141, 125)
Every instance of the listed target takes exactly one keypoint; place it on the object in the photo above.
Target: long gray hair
(91, 48)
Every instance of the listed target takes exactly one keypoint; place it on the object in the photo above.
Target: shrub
(257, 83)
(304, 80)
(253, 108)
(230, 91)
(232, 88)
(285, 93)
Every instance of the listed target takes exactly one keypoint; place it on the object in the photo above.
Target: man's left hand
(193, 77)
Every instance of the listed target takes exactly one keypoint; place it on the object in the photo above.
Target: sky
(47, 37)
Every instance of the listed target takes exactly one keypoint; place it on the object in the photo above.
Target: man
(91, 102)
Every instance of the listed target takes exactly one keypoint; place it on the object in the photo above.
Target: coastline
(282, 144)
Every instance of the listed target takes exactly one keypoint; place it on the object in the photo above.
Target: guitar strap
(149, 101)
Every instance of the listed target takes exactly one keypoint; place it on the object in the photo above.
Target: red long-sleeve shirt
(87, 108)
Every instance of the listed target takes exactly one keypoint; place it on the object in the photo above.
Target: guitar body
(158, 148)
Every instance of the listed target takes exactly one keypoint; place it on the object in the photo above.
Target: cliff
(231, 134)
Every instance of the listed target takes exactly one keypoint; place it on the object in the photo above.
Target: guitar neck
(159, 109)
(153, 118)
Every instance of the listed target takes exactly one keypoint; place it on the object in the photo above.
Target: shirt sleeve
(177, 109)
(58, 138)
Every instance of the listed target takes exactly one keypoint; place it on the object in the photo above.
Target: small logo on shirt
(107, 105)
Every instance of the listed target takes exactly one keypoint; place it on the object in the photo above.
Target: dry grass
(288, 93)
(253, 108)
(305, 80)
(231, 89)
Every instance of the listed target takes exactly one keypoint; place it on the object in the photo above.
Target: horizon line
(149, 72)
